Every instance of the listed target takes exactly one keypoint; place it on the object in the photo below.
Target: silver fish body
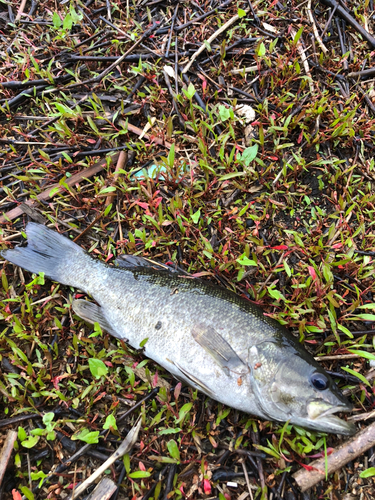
(209, 337)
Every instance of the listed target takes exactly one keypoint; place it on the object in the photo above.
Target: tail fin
(50, 253)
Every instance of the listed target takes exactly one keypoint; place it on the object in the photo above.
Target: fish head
(290, 385)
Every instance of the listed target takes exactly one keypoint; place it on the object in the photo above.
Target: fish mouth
(322, 416)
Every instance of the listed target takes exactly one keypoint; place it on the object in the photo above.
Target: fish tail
(53, 254)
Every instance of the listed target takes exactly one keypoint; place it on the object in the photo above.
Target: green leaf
(87, 436)
(143, 343)
(171, 156)
(37, 432)
(196, 215)
(68, 22)
(97, 368)
(231, 175)
(51, 436)
(183, 412)
(366, 317)
(367, 306)
(56, 20)
(126, 460)
(368, 472)
(248, 155)
(356, 374)
(38, 475)
(171, 430)
(224, 113)
(109, 189)
(173, 449)
(139, 474)
(363, 354)
(64, 110)
(110, 421)
(261, 49)
(28, 493)
(21, 434)
(245, 261)
(17, 460)
(241, 13)
(298, 35)
(48, 417)
(30, 442)
(190, 91)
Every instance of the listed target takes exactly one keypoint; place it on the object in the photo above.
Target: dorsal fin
(135, 261)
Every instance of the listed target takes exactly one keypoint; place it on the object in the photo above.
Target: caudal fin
(51, 253)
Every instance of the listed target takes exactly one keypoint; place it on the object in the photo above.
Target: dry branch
(211, 39)
(104, 490)
(71, 181)
(348, 451)
(124, 447)
(6, 452)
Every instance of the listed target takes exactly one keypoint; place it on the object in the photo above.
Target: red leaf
(16, 495)
(312, 272)
(155, 380)
(142, 205)
(177, 390)
(157, 201)
(207, 486)
(280, 247)
(141, 466)
(321, 454)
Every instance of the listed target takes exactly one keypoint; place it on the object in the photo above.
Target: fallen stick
(351, 449)
(350, 20)
(84, 174)
(315, 29)
(124, 448)
(121, 163)
(6, 452)
(104, 490)
(56, 188)
(20, 10)
(211, 39)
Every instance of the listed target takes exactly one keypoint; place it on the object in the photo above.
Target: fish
(206, 336)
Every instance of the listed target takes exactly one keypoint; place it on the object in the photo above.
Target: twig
(56, 188)
(347, 452)
(211, 39)
(315, 29)
(247, 479)
(121, 162)
(124, 448)
(350, 19)
(20, 10)
(338, 357)
(306, 66)
(6, 452)
(104, 490)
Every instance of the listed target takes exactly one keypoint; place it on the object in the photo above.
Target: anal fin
(92, 314)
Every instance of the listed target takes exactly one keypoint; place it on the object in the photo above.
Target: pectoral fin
(217, 347)
(92, 314)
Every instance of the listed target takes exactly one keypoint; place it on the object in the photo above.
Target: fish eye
(319, 381)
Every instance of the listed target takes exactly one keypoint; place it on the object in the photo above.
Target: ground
(252, 168)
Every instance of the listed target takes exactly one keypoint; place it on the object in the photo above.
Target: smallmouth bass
(207, 336)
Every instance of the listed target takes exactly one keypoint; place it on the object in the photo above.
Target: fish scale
(207, 336)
